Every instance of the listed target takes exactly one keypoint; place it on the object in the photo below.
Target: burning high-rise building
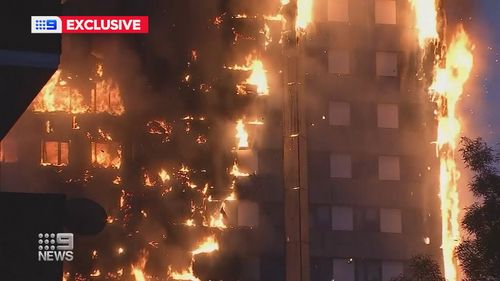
(282, 140)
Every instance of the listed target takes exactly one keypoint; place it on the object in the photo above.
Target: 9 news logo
(46, 24)
(55, 246)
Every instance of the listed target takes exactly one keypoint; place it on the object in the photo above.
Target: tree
(422, 268)
(479, 253)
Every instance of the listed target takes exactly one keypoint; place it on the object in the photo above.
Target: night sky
(486, 117)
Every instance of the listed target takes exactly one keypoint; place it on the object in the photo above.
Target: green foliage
(479, 254)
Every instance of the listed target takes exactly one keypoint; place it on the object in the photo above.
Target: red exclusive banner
(104, 24)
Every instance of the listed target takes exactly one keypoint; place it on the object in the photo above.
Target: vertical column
(295, 155)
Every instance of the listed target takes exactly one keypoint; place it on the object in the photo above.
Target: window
(321, 217)
(340, 114)
(106, 98)
(338, 10)
(340, 166)
(338, 62)
(370, 220)
(342, 218)
(106, 155)
(388, 168)
(248, 213)
(385, 11)
(372, 270)
(8, 151)
(388, 116)
(387, 64)
(343, 269)
(390, 221)
(391, 269)
(55, 153)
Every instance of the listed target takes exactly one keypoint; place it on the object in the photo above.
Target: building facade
(371, 174)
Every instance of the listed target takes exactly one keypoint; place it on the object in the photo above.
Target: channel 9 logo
(55, 246)
(46, 24)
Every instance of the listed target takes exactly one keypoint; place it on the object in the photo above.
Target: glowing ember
(426, 20)
(164, 176)
(117, 180)
(190, 222)
(95, 273)
(241, 135)
(208, 245)
(147, 180)
(446, 89)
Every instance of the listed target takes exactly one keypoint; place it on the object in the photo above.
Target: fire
(137, 269)
(107, 98)
(208, 245)
(138, 274)
(147, 180)
(56, 96)
(120, 250)
(164, 176)
(185, 275)
(257, 78)
(117, 180)
(217, 221)
(190, 222)
(304, 14)
(241, 134)
(266, 31)
(106, 155)
(236, 171)
(95, 273)
(446, 90)
(426, 20)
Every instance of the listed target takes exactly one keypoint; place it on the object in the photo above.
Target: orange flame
(217, 221)
(241, 134)
(235, 171)
(208, 245)
(138, 268)
(304, 14)
(425, 20)
(164, 176)
(446, 89)
(56, 96)
(106, 155)
(184, 275)
(257, 78)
